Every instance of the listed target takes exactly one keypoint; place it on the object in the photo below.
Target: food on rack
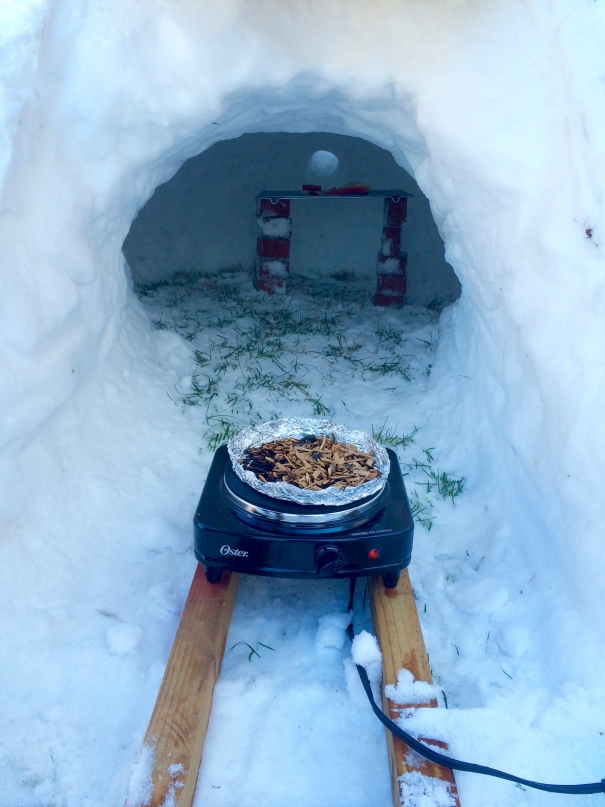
(351, 189)
(311, 462)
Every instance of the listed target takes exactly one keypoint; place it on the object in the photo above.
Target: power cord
(448, 762)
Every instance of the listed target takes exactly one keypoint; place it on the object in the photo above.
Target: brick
(384, 300)
(273, 248)
(271, 275)
(395, 213)
(391, 284)
(269, 209)
(271, 285)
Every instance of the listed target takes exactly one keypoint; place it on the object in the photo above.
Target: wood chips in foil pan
(277, 459)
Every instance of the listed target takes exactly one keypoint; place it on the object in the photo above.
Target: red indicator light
(373, 554)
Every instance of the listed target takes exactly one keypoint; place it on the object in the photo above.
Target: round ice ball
(323, 163)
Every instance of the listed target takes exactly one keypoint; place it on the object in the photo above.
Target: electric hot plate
(240, 529)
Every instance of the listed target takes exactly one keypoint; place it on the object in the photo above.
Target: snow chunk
(418, 790)
(140, 786)
(408, 691)
(481, 597)
(124, 638)
(276, 268)
(331, 631)
(275, 227)
(366, 653)
(391, 266)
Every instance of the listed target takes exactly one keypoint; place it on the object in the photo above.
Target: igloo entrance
(204, 217)
(196, 248)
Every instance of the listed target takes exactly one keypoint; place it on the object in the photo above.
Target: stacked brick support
(272, 262)
(391, 277)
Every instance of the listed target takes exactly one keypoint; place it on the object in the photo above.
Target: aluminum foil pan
(299, 427)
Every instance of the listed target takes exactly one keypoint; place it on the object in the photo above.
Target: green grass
(389, 366)
(343, 276)
(387, 436)
(446, 485)
(389, 336)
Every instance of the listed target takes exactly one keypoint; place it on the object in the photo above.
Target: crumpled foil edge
(299, 427)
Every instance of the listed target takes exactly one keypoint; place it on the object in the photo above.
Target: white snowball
(366, 653)
(331, 631)
(124, 638)
(323, 163)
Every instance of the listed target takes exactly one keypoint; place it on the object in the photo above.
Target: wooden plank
(397, 628)
(178, 725)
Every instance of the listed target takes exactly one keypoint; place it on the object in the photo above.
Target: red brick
(391, 283)
(269, 209)
(272, 285)
(273, 248)
(385, 300)
(395, 213)
(266, 280)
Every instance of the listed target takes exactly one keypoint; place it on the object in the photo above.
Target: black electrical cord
(456, 764)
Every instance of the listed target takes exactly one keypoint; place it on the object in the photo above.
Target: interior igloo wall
(204, 217)
(490, 106)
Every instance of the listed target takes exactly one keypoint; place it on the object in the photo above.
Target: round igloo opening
(203, 219)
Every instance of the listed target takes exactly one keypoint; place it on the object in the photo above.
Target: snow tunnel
(490, 108)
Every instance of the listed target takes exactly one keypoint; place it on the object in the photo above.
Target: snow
(275, 226)
(408, 691)
(323, 163)
(124, 638)
(497, 111)
(331, 632)
(366, 653)
(421, 791)
(140, 786)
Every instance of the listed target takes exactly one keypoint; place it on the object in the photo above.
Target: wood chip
(311, 463)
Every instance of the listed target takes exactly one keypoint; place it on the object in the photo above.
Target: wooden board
(397, 628)
(177, 728)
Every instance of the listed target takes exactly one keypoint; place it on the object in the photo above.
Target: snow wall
(204, 217)
(492, 107)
